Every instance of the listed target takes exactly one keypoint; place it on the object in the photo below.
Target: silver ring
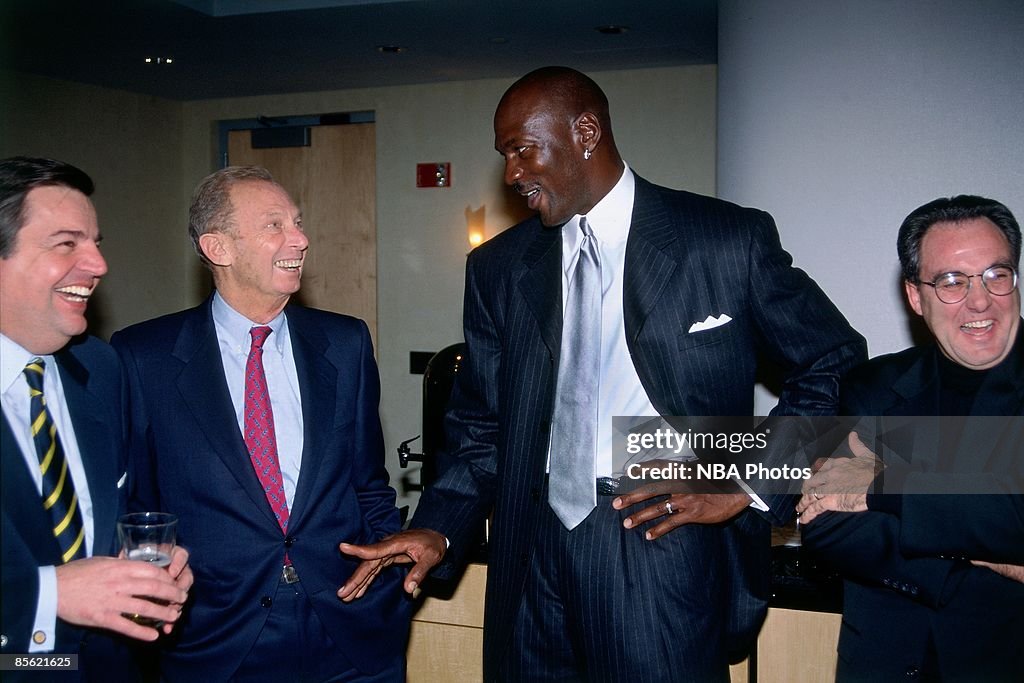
(668, 507)
(817, 496)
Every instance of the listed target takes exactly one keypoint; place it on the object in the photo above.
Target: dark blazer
(909, 587)
(188, 457)
(687, 257)
(91, 376)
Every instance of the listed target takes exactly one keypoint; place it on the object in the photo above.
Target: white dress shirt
(282, 382)
(16, 402)
(620, 390)
(620, 393)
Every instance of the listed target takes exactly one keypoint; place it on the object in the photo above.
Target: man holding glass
(62, 439)
(931, 541)
(255, 422)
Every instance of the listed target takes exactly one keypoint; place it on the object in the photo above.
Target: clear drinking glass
(148, 537)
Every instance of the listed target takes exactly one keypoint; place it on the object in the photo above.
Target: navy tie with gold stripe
(59, 497)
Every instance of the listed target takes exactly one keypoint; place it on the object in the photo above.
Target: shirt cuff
(755, 500)
(44, 630)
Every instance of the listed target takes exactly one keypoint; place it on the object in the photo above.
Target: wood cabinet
(447, 638)
(798, 646)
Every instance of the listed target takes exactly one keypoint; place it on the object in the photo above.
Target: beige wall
(665, 127)
(129, 144)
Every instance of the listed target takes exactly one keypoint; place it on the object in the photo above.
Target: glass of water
(148, 537)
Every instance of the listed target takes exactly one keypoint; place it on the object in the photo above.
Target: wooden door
(333, 181)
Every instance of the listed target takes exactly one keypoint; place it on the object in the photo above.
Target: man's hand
(679, 508)
(840, 484)
(98, 592)
(179, 570)
(1014, 572)
(425, 547)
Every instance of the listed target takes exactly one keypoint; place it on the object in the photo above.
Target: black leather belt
(288, 574)
(607, 486)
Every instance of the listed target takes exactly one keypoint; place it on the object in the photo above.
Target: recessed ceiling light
(612, 29)
(390, 49)
(158, 60)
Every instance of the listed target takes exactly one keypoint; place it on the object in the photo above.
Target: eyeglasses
(952, 288)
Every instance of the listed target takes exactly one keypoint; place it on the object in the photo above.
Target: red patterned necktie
(260, 438)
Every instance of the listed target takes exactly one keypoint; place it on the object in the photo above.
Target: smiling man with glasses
(939, 244)
(934, 584)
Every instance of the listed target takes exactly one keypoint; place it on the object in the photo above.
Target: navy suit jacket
(687, 257)
(91, 377)
(188, 457)
(909, 588)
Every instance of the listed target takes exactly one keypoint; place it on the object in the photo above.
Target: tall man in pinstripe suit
(693, 290)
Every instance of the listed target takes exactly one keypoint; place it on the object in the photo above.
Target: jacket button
(266, 602)
(912, 672)
(289, 542)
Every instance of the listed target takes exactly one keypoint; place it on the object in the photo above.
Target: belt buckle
(288, 574)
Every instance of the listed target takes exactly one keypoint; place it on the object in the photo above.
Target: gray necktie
(571, 492)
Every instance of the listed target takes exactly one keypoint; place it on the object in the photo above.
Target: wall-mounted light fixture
(475, 225)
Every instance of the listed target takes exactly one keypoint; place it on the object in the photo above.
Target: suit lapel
(1001, 394)
(649, 261)
(204, 390)
(21, 501)
(99, 448)
(918, 387)
(541, 285)
(917, 390)
(318, 379)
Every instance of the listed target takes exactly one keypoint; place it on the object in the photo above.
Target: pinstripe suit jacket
(687, 256)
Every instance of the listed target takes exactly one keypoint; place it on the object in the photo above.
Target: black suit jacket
(909, 588)
(687, 257)
(188, 457)
(91, 377)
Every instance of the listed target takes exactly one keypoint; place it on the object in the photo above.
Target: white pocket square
(709, 323)
(122, 480)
